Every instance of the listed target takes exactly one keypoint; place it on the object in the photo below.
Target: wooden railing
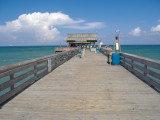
(105, 51)
(146, 69)
(16, 77)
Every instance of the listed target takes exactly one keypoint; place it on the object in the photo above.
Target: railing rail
(144, 68)
(16, 77)
(105, 51)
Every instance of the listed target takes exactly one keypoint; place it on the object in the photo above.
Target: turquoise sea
(14, 54)
(148, 51)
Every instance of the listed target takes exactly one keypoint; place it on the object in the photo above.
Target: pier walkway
(85, 89)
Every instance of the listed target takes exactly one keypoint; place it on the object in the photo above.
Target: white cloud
(87, 26)
(43, 27)
(136, 32)
(156, 29)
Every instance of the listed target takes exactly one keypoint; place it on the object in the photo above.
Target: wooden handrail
(16, 77)
(12, 66)
(105, 51)
(144, 68)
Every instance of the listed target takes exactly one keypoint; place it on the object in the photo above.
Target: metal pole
(117, 31)
(119, 42)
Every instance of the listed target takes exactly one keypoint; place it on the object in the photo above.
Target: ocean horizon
(63, 45)
(15, 54)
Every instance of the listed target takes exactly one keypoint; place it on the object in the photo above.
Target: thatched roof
(89, 37)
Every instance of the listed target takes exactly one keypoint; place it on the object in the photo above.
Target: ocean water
(148, 51)
(14, 54)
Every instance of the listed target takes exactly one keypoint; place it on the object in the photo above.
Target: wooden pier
(85, 89)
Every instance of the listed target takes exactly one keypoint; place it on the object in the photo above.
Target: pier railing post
(69, 55)
(132, 63)
(49, 65)
(56, 62)
(35, 74)
(124, 61)
(145, 66)
(12, 77)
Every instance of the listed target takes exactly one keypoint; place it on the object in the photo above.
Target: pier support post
(49, 65)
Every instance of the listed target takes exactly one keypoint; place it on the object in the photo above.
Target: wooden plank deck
(85, 89)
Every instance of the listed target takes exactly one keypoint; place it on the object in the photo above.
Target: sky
(47, 22)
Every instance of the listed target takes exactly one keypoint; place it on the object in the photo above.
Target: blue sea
(14, 54)
(148, 51)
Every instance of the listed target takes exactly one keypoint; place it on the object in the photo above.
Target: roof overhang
(88, 37)
(82, 42)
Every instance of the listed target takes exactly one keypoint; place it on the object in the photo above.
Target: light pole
(117, 31)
